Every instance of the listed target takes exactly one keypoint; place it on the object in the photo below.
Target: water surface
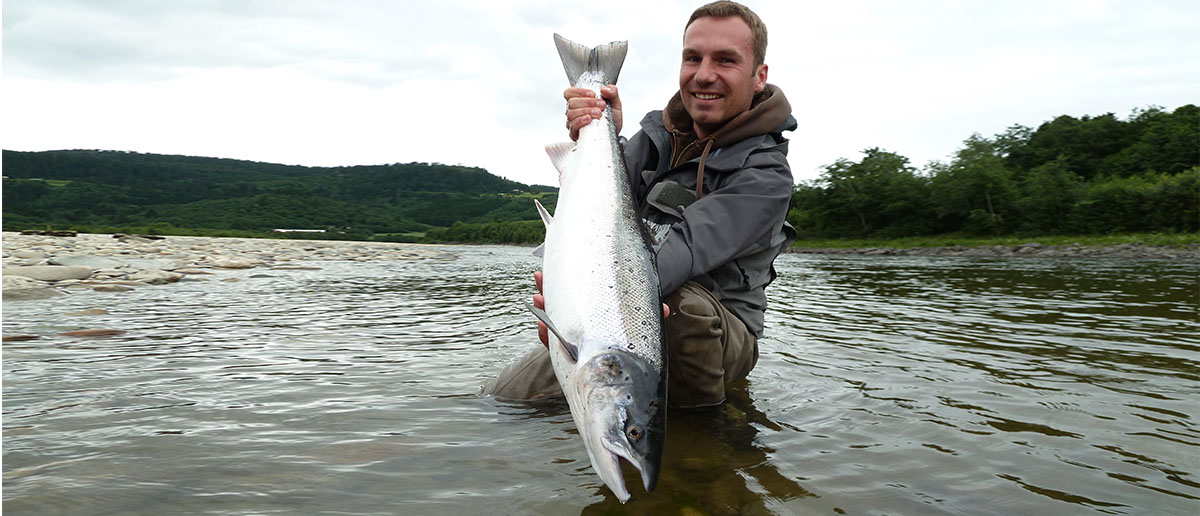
(887, 385)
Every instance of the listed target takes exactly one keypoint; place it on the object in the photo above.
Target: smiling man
(712, 170)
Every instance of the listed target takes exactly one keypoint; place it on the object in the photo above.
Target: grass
(1155, 239)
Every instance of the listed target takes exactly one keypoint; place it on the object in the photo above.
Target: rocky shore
(1121, 251)
(43, 266)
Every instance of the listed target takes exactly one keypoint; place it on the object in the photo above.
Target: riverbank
(42, 266)
(1121, 246)
(1030, 250)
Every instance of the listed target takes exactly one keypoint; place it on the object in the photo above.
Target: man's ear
(760, 78)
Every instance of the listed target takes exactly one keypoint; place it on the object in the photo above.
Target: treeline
(1089, 175)
(521, 232)
(107, 189)
(1071, 175)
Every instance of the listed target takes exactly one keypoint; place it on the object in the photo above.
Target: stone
(94, 262)
(112, 288)
(90, 311)
(92, 333)
(164, 264)
(19, 338)
(155, 277)
(29, 294)
(50, 272)
(231, 262)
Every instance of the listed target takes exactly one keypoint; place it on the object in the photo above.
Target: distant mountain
(111, 188)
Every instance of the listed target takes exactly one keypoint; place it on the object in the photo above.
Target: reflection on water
(893, 385)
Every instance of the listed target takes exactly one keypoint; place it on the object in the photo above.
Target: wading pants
(707, 347)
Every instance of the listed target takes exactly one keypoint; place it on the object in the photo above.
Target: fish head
(625, 417)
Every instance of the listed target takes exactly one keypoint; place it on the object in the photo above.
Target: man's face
(718, 79)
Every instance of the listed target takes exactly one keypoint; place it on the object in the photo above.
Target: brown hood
(768, 110)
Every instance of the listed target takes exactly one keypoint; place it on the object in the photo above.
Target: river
(887, 385)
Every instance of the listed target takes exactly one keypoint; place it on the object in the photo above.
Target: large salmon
(601, 288)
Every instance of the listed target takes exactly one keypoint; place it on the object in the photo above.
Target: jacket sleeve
(740, 214)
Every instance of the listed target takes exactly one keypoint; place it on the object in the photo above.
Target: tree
(976, 189)
(880, 191)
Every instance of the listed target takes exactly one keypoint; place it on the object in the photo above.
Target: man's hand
(583, 107)
(539, 301)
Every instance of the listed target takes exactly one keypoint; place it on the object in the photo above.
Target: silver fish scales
(601, 288)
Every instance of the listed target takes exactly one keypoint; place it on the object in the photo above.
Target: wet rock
(163, 264)
(50, 272)
(29, 294)
(192, 271)
(29, 255)
(90, 311)
(112, 288)
(92, 333)
(131, 238)
(155, 277)
(93, 262)
(229, 262)
(19, 338)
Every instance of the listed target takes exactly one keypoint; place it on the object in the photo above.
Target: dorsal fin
(559, 152)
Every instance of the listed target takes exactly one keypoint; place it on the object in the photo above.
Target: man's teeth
(706, 96)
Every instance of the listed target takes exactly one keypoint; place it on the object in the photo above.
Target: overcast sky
(363, 82)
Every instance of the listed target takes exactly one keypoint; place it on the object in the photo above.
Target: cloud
(479, 83)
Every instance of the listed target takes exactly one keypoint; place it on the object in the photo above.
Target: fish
(601, 288)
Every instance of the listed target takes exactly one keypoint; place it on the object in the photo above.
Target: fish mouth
(626, 396)
(617, 450)
(610, 469)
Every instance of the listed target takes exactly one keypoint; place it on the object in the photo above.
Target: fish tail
(605, 59)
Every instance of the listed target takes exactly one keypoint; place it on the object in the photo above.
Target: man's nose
(706, 72)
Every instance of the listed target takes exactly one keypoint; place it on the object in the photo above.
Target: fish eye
(634, 432)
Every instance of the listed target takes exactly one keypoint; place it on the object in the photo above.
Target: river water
(887, 385)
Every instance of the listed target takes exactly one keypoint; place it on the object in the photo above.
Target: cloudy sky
(360, 82)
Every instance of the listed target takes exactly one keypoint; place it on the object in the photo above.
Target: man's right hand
(583, 107)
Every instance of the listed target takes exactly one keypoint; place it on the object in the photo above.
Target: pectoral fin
(571, 349)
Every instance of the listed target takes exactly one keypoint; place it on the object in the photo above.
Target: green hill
(108, 189)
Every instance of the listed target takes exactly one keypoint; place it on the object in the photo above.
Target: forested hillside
(1089, 175)
(98, 189)
(1071, 175)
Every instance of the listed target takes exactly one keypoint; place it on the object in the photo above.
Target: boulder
(231, 262)
(154, 277)
(94, 262)
(112, 288)
(50, 272)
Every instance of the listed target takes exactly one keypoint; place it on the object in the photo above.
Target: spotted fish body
(601, 289)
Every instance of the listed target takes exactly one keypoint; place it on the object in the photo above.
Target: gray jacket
(725, 235)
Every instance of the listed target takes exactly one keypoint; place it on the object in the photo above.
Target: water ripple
(889, 385)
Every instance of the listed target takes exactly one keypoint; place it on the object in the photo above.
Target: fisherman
(712, 167)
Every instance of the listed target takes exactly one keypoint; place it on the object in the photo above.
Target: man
(713, 166)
